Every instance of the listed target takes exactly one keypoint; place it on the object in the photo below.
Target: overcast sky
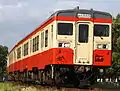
(19, 17)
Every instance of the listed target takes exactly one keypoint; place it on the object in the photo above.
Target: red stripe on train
(102, 57)
(52, 56)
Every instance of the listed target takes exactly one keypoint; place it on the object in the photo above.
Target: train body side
(40, 60)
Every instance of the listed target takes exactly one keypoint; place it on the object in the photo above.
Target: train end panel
(102, 58)
(62, 56)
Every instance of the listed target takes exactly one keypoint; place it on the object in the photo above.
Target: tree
(114, 69)
(116, 33)
(3, 60)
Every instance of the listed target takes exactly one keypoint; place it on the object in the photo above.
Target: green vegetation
(3, 60)
(7, 86)
(114, 69)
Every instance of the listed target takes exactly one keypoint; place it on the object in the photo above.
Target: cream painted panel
(66, 38)
(84, 51)
(104, 40)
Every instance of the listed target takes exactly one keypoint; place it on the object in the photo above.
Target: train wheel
(43, 78)
(86, 79)
(40, 76)
(48, 76)
(59, 78)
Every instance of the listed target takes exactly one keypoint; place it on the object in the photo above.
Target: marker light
(99, 46)
(63, 44)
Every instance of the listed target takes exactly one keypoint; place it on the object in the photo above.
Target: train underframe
(58, 75)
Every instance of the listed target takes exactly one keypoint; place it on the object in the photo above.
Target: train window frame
(25, 49)
(42, 39)
(31, 47)
(100, 34)
(10, 58)
(63, 28)
(35, 45)
(82, 39)
(19, 53)
(46, 38)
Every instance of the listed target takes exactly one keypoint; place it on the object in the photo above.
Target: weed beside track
(18, 86)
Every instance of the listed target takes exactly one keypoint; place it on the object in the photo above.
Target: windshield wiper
(101, 35)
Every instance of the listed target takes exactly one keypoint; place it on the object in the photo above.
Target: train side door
(84, 43)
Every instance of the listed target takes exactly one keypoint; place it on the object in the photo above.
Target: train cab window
(83, 33)
(36, 44)
(19, 53)
(65, 28)
(25, 49)
(46, 38)
(42, 39)
(101, 30)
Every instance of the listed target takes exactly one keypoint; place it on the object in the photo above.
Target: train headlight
(102, 46)
(99, 46)
(63, 44)
(105, 46)
(66, 44)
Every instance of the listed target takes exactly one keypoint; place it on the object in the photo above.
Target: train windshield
(65, 28)
(101, 30)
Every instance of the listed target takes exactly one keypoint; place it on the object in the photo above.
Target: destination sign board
(83, 15)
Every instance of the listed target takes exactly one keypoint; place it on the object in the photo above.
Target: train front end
(87, 36)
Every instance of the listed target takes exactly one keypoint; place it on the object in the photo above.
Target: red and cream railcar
(71, 41)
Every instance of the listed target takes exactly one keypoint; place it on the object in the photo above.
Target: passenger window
(52, 32)
(36, 43)
(26, 49)
(33, 44)
(10, 58)
(83, 33)
(42, 39)
(46, 38)
(30, 45)
(19, 53)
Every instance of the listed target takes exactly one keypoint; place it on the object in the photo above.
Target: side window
(36, 43)
(83, 33)
(46, 38)
(19, 53)
(10, 58)
(31, 45)
(26, 49)
(51, 34)
(14, 55)
(42, 39)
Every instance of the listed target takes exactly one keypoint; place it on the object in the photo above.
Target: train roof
(71, 13)
(75, 12)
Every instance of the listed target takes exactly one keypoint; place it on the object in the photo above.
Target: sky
(20, 17)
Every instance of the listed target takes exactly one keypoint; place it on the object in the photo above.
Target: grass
(7, 86)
